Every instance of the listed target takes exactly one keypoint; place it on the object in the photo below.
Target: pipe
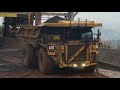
(38, 16)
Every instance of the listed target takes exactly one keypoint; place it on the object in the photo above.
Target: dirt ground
(12, 43)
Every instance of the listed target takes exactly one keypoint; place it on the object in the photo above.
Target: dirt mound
(54, 19)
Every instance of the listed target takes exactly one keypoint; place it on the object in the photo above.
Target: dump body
(69, 43)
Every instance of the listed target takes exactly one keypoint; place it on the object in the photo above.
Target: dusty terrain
(12, 67)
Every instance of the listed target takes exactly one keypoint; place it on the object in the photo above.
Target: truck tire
(45, 63)
(30, 59)
(90, 69)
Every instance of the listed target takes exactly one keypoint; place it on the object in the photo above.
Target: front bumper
(77, 65)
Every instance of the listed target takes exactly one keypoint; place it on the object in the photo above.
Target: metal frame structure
(70, 15)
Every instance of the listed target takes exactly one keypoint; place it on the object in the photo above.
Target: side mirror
(99, 33)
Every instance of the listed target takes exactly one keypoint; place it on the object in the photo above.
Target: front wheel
(45, 62)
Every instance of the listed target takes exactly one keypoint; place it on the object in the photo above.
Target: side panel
(31, 41)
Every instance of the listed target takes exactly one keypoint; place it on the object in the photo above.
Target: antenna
(86, 22)
(78, 21)
(70, 23)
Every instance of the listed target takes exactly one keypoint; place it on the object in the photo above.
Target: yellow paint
(56, 37)
(92, 51)
(79, 64)
(72, 24)
(87, 62)
(62, 47)
(61, 21)
(51, 53)
(5, 14)
(87, 54)
(66, 52)
(93, 63)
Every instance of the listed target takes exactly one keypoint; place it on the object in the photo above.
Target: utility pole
(30, 18)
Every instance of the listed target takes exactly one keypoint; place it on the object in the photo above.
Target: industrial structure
(13, 19)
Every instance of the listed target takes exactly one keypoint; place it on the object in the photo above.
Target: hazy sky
(1, 19)
(110, 20)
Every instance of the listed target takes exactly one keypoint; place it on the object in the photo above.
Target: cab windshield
(67, 33)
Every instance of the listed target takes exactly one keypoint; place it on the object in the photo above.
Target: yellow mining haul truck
(62, 44)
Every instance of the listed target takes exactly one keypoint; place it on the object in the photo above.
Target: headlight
(97, 46)
(51, 47)
(75, 65)
(62, 47)
(83, 65)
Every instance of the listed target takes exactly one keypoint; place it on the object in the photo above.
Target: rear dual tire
(30, 58)
(45, 63)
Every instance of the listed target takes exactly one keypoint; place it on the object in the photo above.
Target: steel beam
(71, 15)
(55, 13)
(38, 16)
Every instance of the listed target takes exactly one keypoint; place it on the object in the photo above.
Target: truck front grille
(72, 49)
